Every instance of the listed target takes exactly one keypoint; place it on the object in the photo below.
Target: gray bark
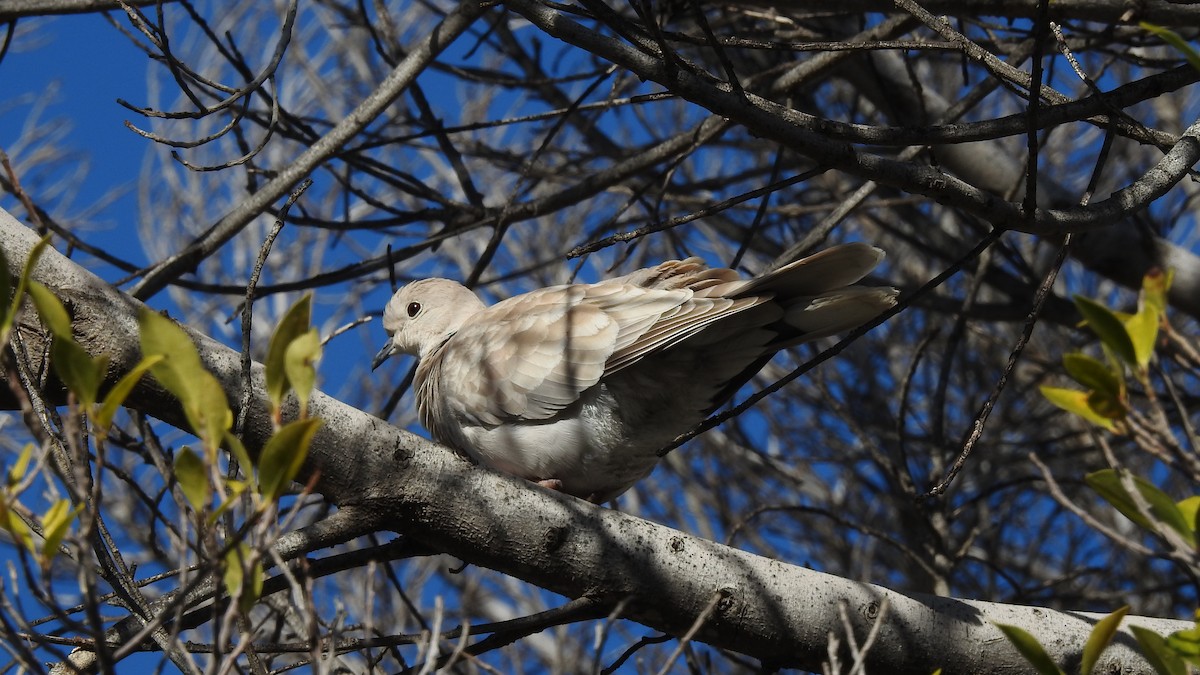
(768, 609)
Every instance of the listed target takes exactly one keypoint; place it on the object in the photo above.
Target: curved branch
(16, 9)
(664, 578)
(1091, 108)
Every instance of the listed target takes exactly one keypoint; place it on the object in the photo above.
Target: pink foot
(552, 484)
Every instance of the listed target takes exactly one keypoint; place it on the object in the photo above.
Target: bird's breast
(588, 446)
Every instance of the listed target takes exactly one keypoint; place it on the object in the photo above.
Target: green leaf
(75, 367)
(299, 362)
(234, 573)
(1031, 649)
(252, 590)
(16, 473)
(1093, 374)
(1106, 406)
(55, 524)
(210, 414)
(82, 374)
(283, 455)
(1172, 38)
(293, 324)
(1190, 507)
(246, 589)
(1186, 644)
(1143, 327)
(181, 372)
(1108, 327)
(192, 475)
(11, 522)
(1155, 285)
(1099, 639)
(1075, 401)
(1143, 333)
(22, 284)
(51, 310)
(120, 391)
(1107, 483)
(180, 364)
(1161, 657)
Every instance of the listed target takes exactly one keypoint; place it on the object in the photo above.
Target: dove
(578, 386)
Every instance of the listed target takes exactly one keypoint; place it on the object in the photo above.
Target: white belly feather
(587, 447)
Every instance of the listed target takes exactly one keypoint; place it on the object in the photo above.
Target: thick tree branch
(16, 9)
(776, 612)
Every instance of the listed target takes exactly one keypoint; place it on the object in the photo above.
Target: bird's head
(420, 316)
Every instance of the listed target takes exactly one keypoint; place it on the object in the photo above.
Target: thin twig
(622, 237)
(31, 211)
(602, 631)
(1035, 102)
(980, 421)
(333, 142)
(1091, 521)
(248, 309)
(859, 667)
(701, 619)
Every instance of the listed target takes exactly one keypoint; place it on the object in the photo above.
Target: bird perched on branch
(578, 386)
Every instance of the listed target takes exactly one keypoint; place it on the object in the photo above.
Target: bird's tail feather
(837, 311)
(825, 271)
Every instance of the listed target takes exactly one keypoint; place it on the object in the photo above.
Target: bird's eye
(413, 309)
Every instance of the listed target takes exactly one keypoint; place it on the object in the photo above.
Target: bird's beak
(383, 355)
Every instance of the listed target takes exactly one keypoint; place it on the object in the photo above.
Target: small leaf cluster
(291, 367)
(291, 359)
(292, 355)
(1127, 342)
(1153, 510)
(54, 524)
(171, 357)
(81, 374)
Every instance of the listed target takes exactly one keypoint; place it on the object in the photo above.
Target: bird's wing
(704, 304)
(528, 357)
(531, 356)
(663, 326)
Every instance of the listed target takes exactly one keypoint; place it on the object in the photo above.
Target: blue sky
(81, 63)
(77, 69)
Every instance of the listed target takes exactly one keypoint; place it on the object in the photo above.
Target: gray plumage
(579, 385)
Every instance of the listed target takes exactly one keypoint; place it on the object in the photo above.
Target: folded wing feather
(538, 352)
